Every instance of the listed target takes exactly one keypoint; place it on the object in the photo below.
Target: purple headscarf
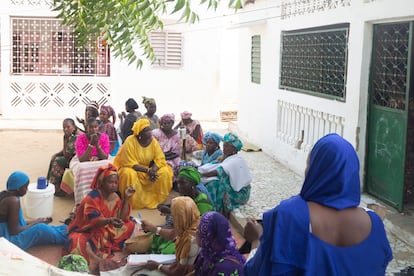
(216, 241)
(168, 116)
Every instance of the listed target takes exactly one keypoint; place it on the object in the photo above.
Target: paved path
(273, 182)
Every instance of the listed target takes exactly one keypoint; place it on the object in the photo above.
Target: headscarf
(102, 173)
(110, 111)
(131, 104)
(140, 125)
(146, 101)
(186, 115)
(216, 137)
(94, 105)
(16, 180)
(216, 242)
(333, 174)
(186, 218)
(190, 173)
(166, 117)
(234, 140)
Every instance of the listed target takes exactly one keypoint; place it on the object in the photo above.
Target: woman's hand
(94, 139)
(130, 191)
(252, 230)
(152, 172)
(116, 222)
(151, 265)
(148, 226)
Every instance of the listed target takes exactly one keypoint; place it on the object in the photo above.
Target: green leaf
(179, 5)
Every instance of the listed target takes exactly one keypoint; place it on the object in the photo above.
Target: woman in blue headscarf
(14, 228)
(322, 231)
(212, 152)
(230, 180)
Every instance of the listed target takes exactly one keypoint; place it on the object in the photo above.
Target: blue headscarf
(16, 180)
(234, 140)
(217, 138)
(333, 174)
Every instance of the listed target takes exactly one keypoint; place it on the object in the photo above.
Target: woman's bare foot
(93, 260)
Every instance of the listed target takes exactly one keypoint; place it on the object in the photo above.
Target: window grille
(315, 61)
(43, 46)
(167, 48)
(390, 64)
(255, 59)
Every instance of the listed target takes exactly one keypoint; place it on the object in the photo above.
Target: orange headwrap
(140, 125)
(101, 174)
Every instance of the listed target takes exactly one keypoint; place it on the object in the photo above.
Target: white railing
(292, 8)
(301, 126)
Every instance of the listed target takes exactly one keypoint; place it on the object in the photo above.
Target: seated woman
(91, 110)
(128, 120)
(231, 188)
(212, 152)
(321, 231)
(186, 219)
(14, 228)
(218, 254)
(107, 127)
(194, 131)
(60, 160)
(101, 223)
(141, 163)
(169, 140)
(151, 107)
(90, 146)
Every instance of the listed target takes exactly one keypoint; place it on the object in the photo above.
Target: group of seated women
(321, 231)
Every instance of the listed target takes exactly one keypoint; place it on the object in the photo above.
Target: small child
(106, 126)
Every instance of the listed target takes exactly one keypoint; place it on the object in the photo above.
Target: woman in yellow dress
(141, 164)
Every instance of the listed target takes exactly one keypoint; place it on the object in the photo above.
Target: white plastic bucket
(39, 202)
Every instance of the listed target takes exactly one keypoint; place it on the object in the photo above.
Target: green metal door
(388, 111)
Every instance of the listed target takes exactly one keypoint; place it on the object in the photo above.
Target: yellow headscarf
(186, 219)
(140, 125)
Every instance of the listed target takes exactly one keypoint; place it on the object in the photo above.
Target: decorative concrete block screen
(292, 8)
(301, 126)
(56, 95)
(31, 2)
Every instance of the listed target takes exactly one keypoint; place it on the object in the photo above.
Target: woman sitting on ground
(212, 152)
(151, 107)
(187, 180)
(141, 163)
(60, 160)
(194, 130)
(321, 231)
(219, 254)
(169, 140)
(186, 219)
(101, 223)
(92, 145)
(91, 110)
(128, 120)
(14, 228)
(230, 184)
(107, 127)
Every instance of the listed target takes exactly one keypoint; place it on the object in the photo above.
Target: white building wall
(258, 111)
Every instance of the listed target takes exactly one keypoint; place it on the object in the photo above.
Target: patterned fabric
(205, 158)
(190, 129)
(218, 255)
(203, 203)
(85, 228)
(109, 129)
(186, 219)
(110, 111)
(169, 144)
(58, 165)
(73, 262)
(234, 140)
(147, 194)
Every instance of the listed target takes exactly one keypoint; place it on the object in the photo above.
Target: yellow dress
(147, 194)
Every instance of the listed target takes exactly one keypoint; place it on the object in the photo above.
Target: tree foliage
(124, 23)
